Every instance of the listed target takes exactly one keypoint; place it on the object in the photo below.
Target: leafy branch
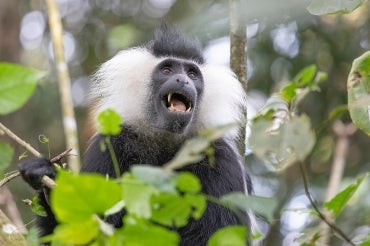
(315, 207)
(45, 180)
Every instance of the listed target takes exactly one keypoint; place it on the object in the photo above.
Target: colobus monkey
(166, 93)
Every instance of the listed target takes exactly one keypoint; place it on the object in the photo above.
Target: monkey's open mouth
(176, 102)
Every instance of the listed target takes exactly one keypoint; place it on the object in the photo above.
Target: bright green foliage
(91, 194)
(367, 243)
(109, 122)
(36, 207)
(148, 194)
(358, 85)
(337, 204)
(136, 195)
(6, 155)
(324, 7)
(263, 206)
(139, 232)
(17, 84)
(76, 233)
(175, 210)
(231, 235)
(307, 80)
(169, 207)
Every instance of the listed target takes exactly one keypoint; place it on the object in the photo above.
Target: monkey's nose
(182, 81)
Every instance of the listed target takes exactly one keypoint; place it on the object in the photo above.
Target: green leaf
(358, 85)
(305, 76)
(175, 210)
(17, 84)
(137, 195)
(91, 194)
(37, 208)
(282, 146)
(337, 204)
(195, 149)
(324, 7)
(109, 122)
(188, 183)
(227, 236)
(6, 155)
(159, 178)
(76, 233)
(141, 232)
(366, 243)
(261, 205)
(288, 92)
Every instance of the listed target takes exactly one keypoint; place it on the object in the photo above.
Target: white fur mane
(122, 83)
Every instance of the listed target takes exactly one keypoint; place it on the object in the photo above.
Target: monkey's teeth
(169, 98)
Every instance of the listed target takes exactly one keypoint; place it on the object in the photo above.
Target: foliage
(17, 84)
(278, 135)
(358, 85)
(320, 7)
(281, 136)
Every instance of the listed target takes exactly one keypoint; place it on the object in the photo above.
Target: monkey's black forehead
(169, 41)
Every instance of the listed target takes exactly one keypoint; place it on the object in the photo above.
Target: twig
(21, 142)
(238, 41)
(69, 120)
(8, 178)
(341, 149)
(47, 183)
(50, 183)
(320, 214)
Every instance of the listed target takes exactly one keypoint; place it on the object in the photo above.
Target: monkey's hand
(33, 170)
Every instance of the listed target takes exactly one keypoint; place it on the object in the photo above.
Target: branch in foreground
(20, 141)
(320, 214)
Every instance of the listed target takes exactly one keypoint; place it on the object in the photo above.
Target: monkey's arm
(32, 172)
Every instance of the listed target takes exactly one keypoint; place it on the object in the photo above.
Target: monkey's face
(176, 90)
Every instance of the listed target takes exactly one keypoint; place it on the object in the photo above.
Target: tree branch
(21, 142)
(28, 147)
(343, 132)
(320, 214)
(69, 120)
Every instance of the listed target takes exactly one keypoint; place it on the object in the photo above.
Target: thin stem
(113, 156)
(320, 214)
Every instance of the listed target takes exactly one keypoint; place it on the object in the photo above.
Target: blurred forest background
(283, 37)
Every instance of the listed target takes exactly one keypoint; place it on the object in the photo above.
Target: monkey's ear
(33, 170)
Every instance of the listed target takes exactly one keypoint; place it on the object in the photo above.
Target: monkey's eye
(166, 70)
(192, 75)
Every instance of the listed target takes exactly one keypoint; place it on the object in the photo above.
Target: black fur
(133, 147)
(169, 42)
